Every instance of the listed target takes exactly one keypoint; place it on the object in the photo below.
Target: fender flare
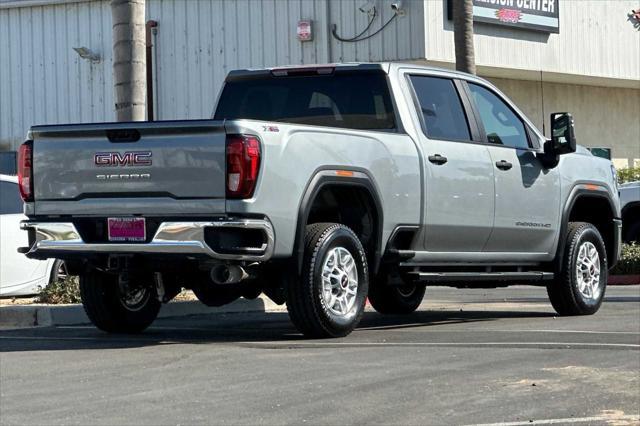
(343, 176)
(578, 191)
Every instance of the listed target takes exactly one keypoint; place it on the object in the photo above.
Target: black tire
(308, 308)
(564, 292)
(632, 233)
(105, 307)
(58, 271)
(398, 298)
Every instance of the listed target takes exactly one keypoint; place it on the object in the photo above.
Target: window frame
(475, 136)
(485, 140)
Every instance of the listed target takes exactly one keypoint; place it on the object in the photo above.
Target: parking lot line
(302, 345)
(568, 420)
(169, 328)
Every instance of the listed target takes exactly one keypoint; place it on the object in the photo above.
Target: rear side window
(10, 201)
(441, 108)
(347, 100)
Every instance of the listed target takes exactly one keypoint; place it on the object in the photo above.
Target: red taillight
(25, 171)
(243, 165)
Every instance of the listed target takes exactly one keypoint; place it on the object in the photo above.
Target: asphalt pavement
(466, 357)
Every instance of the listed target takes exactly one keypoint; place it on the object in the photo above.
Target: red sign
(509, 15)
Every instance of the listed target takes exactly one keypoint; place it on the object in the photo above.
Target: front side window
(10, 201)
(501, 124)
(441, 108)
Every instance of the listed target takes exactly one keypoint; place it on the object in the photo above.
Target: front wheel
(582, 277)
(330, 297)
(113, 311)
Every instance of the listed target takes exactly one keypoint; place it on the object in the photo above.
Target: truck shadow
(233, 329)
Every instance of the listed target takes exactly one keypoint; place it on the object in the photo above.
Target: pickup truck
(322, 186)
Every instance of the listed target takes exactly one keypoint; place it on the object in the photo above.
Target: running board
(448, 277)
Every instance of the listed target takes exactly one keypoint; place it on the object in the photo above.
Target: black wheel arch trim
(328, 175)
(579, 190)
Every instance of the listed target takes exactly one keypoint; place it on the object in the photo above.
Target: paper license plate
(126, 229)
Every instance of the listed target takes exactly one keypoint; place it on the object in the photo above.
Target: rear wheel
(390, 294)
(330, 297)
(582, 278)
(114, 311)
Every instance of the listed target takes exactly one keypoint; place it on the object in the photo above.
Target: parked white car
(19, 275)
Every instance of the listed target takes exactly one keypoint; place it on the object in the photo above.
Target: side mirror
(563, 137)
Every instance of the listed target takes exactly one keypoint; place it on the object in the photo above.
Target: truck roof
(387, 67)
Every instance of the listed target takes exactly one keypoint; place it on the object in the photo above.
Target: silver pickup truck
(323, 186)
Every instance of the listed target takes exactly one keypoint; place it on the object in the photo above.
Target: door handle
(503, 165)
(438, 159)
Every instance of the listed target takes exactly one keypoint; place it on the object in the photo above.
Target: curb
(56, 315)
(624, 279)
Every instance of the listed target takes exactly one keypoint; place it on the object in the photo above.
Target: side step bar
(449, 277)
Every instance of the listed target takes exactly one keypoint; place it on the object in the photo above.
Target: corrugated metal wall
(42, 80)
(199, 41)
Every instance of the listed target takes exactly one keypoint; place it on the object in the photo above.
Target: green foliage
(628, 175)
(629, 263)
(60, 292)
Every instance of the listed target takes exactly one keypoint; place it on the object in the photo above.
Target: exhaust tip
(227, 274)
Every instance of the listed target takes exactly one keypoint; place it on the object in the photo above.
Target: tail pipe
(228, 274)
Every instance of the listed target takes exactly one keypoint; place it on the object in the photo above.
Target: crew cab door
(527, 202)
(458, 213)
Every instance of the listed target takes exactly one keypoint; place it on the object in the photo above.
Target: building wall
(42, 80)
(596, 39)
(604, 116)
(199, 41)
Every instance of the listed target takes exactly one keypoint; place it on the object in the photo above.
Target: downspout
(149, 28)
(328, 29)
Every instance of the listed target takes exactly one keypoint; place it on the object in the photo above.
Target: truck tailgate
(167, 168)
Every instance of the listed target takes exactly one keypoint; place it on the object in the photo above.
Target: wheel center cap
(344, 281)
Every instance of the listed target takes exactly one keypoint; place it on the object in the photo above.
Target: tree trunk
(463, 35)
(129, 61)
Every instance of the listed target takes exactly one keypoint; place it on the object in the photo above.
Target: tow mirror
(563, 137)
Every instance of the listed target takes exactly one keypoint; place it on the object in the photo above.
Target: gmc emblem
(126, 159)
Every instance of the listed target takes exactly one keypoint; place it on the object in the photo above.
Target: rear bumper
(62, 239)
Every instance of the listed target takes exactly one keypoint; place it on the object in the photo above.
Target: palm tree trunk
(129, 61)
(463, 35)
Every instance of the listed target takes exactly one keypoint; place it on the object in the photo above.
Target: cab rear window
(346, 100)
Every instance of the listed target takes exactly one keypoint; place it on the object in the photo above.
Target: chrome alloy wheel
(340, 282)
(588, 271)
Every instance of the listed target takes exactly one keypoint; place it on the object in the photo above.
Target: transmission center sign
(539, 15)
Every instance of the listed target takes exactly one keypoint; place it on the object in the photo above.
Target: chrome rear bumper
(54, 239)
